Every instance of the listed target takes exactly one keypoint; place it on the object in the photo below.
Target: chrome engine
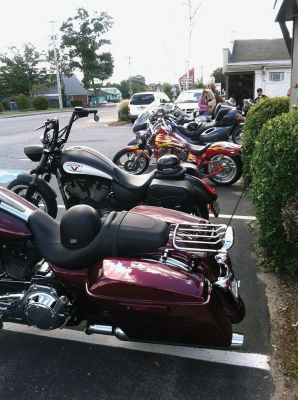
(45, 309)
(90, 190)
(181, 154)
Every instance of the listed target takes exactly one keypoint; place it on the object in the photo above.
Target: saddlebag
(175, 194)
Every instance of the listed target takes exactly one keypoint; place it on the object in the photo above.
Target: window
(139, 99)
(276, 76)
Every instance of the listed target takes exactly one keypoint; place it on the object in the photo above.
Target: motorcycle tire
(239, 316)
(232, 169)
(128, 165)
(201, 210)
(42, 198)
(237, 135)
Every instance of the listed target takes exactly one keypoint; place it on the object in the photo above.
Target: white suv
(139, 102)
(188, 100)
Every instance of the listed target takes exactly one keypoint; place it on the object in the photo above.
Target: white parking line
(250, 360)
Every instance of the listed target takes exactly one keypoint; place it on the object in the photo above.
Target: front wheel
(231, 169)
(131, 162)
(42, 197)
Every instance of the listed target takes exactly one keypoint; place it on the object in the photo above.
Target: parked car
(139, 102)
(188, 100)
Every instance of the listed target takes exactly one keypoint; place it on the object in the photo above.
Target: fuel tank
(81, 160)
(154, 301)
(14, 212)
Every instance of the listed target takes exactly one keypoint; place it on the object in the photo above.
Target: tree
(82, 40)
(219, 76)
(21, 71)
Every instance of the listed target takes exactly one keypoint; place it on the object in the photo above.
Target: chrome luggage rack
(197, 238)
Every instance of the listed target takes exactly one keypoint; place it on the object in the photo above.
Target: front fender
(132, 142)
(40, 182)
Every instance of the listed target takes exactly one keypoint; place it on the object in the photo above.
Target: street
(70, 365)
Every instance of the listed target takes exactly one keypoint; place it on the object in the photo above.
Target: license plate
(234, 288)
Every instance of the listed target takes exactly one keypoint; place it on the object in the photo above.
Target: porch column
(294, 79)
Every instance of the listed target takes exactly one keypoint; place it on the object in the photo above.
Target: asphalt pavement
(70, 365)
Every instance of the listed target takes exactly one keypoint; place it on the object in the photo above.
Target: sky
(153, 33)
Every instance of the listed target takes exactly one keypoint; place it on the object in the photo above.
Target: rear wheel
(237, 135)
(43, 198)
(232, 169)
(131, 162)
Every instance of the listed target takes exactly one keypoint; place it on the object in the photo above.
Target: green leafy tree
(219, 76)
(167, 89)
(20, 71)
(81, 42)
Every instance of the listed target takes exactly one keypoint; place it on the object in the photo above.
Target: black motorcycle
(85, 176)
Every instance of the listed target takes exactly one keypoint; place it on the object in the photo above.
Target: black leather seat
(198, 150)
(121, 234)
(134, 182)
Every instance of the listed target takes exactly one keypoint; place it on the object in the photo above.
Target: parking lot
(70, 365)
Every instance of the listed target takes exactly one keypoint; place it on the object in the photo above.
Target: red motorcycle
(220, 162)
(149, 274)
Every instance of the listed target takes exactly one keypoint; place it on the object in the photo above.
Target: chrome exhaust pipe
(237, 340)
(106, 330)
(7, 300)
(100, 329)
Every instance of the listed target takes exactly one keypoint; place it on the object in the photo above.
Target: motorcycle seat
(204, 126)
(134, 182)
(198, 150)
(121, 234)
(188, 133)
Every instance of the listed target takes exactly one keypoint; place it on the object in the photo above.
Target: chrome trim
(23, 215)
(7, 299)
(101, 329)
(237, 340)
(120, 334)
(213, 238)
(169, 261)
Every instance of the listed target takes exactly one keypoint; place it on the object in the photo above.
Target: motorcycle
(227, 124)
(219, 162)
(150, 274)
(85, 176)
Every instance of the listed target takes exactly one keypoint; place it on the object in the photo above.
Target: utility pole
(129, 73)
(191, 16)
(54, 39)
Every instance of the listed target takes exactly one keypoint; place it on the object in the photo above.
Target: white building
(257, 63)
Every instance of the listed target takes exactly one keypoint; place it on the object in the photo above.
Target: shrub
(76, 103)
(5, 105)
(22, 101)
(274, 184)
(258, 115)
(123, 110)
(290, 220)
(40, 103)
(1, 107)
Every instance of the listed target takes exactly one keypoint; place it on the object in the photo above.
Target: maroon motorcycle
(149, 274)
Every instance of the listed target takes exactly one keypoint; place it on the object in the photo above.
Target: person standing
(203, 104)
(260, 95)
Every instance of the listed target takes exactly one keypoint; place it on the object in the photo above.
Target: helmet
(79, 226)
(168, 163)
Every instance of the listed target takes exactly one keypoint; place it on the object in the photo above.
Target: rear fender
(226, 148)
(40, 182)
(204, 193)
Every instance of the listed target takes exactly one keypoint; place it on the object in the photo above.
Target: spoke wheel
(232, 169)
(130, 162)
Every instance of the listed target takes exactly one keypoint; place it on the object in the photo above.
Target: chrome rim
(131, 162)
(239, 136)
(37, 198)
(229, 168)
